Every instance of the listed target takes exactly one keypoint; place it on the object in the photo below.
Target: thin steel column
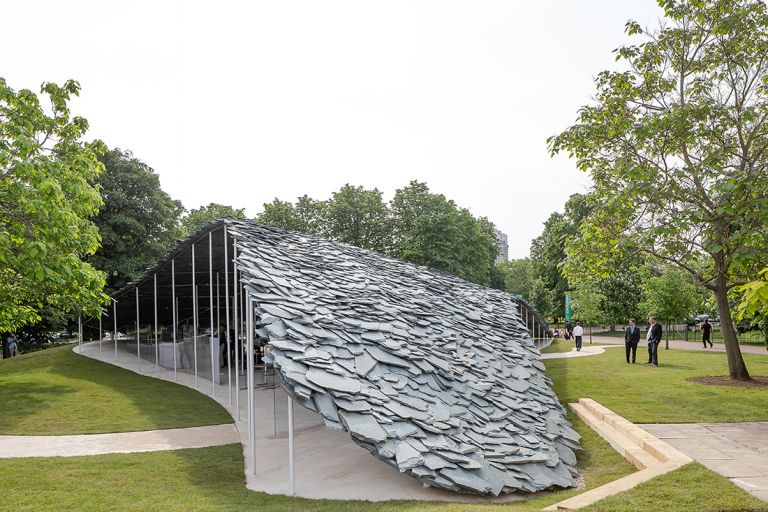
(226, 313)
(101, 333)
(174, 307)
(194, 314)
(249, 380)
(138, 337)
(291, 466)
(210, 309)
(157, 350)
(236, 318)
(114, 321)
(80, 333)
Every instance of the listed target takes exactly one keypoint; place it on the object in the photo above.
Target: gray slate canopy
(433, 375)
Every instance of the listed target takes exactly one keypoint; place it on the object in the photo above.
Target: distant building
(503, 247)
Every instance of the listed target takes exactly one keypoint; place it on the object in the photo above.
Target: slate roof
(433, 375)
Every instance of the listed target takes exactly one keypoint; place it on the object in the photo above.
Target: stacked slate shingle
(433, 375)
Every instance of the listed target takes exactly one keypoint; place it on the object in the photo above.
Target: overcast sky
(241, 102)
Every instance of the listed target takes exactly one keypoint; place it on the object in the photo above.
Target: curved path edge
(118, 442)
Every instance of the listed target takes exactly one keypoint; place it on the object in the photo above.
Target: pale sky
(240, 102)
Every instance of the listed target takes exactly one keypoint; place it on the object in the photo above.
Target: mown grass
(57, 392)
(644, 394)
(211, 479)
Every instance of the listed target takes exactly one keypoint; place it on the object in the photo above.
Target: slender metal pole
(210, 309)
(101, 333)
(114, 322)
(138, 336)
(80, 334)
(157, 349)
(238, 345)
(194, 314)
(226, 313)
(249, 380)
(174, 308)
(291, 466)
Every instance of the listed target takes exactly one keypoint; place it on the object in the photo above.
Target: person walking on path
(654, 339)
(706, 333)
(578, 332)
(631, 339)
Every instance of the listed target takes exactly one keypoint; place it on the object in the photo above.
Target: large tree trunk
(736, 367)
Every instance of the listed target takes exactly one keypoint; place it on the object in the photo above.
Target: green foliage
(754, 299)
(197, 217)
(675, 146)
(307, 216)
(587, 303)
(548, 250)
(517, 277)
(430, 230)
(417, 226)
(138, 221)
(358, 217)
(670, 296)
(46, 200)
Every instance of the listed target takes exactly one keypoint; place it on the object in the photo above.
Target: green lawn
(644, 394)
(70, 393)
(56, 392)
(211, 479)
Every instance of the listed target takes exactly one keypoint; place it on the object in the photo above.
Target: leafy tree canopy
(197, 217)
(416, 226)
(46, 200)
(676, 147)
(138, 221)
(671, 295)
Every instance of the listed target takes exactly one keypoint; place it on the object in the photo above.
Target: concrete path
(586, 350)
(685, 345)
(735, 450)
(123, 442)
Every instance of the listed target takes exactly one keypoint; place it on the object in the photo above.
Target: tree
(622, 291)
(46, 200)
(587, 300)
(358, 217)
(138, 221)
(670, 295)
(308, 216)
(548, 249)
(430, 230)
(197, 217)
(676, 147)
(517, 277)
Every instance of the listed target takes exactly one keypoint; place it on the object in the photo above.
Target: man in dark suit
(654, 339)
(631, 339)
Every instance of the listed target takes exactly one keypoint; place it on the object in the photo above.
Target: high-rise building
(503, 247)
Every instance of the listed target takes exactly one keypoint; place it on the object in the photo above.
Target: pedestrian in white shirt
(578, 332)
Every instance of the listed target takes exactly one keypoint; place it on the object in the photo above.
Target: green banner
(568, 309)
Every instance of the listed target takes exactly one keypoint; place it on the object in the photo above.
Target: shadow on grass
(20, 400)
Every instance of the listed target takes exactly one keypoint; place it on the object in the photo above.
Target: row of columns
(245, 311)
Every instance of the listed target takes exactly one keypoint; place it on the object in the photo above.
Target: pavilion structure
(437, 377)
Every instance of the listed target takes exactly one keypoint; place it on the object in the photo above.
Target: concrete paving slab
(731, 468)
(123, 442)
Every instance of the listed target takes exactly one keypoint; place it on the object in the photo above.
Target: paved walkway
(682, 344)
(735, 450)
(123, 442)
(586, 350)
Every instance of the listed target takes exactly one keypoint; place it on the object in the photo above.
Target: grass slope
(644, 394)
(57, 392)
